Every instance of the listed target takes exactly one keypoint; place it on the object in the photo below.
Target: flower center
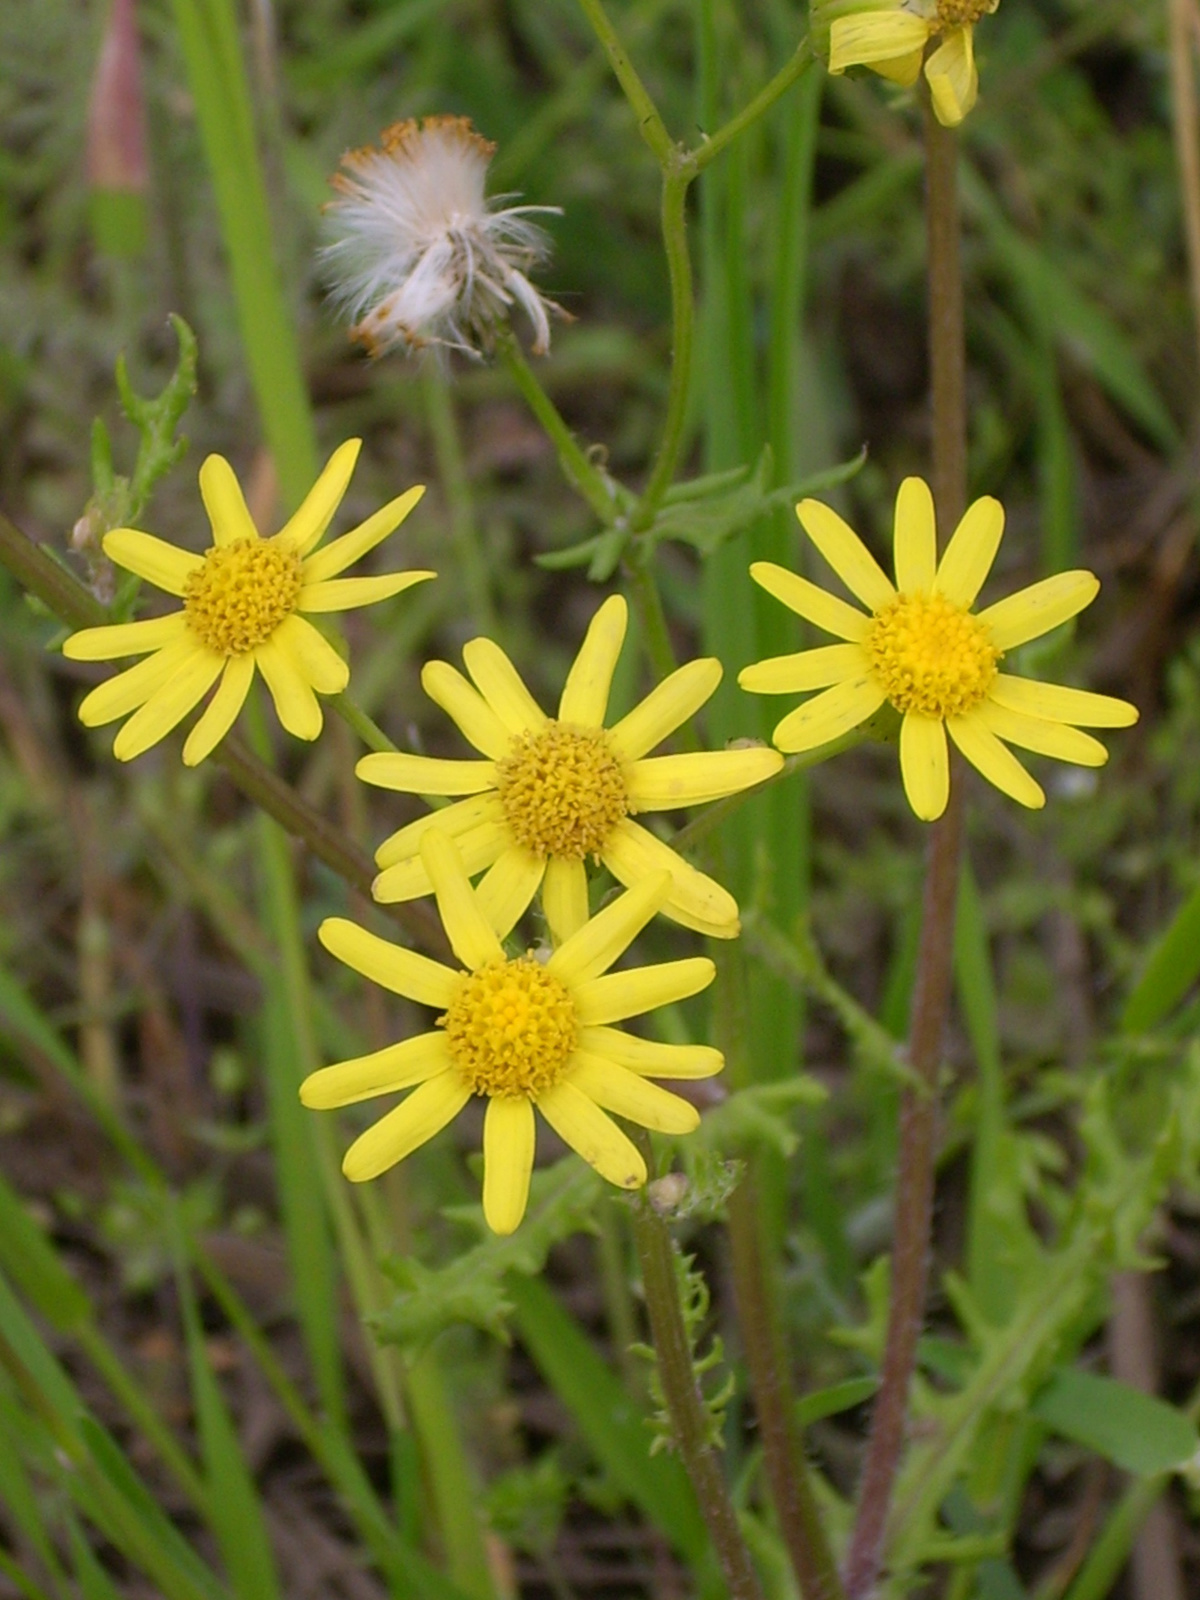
(930, 656)
(241, 594)
(511, 1028)
(562, 791)
(962, 13)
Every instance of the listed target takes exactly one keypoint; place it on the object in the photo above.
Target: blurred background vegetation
(142, 986)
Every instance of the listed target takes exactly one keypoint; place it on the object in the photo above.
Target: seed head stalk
(913, 1227)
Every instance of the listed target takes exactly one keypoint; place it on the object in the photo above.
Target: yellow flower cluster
(549, 792)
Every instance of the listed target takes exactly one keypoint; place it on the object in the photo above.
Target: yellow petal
(995, 761)
(1044, 738)
(925, 765)
(317, 659)
(811, 603)
(598, 943)
(1034, 611)
(904, 70)
(225, 503)
(632, 853)
(465, 816)
(160, 563)
(397, 1066)
(502, 686)
(426, 1111)
(471, 936)
(663, 782)
(953, 80)
(168, 706)
(846, 554)
(665, 708)
(447, 688)
(580, 1123)
(618, 995)
(829, 714)
(296, 705)
(390, 965)
(1057, 703)
(344, 552)
(508, 1145)
(804, 670)
(565, 897)
(305, 528)
(868, 37)
(221, 711)
(116, 697)
(584, 699)
(479, 848)
(425, 775)
(344, 594)
(124, 638)
(506, 889)
(650, 1059)
(971, 551)
(631, 1097)
(915, 537)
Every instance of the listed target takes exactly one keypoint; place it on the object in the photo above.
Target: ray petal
(846, 554)
(465, 816)
(661, 783)
(565, 897)
(1041, 607)
(426, 1111)
(306, 526)
(972, 549)
(225, 502)
(509, 1140)
(814, 605)
(1058, 703)
(115, 697)
(613, 1088)
(507, 887)
(864, 38)
(995, 761)
(406, 880)
(579, 1122)
(502, 686)
(344, 552)
(396, 1066)
(447, 687)
(1041, 736)
(390, 965)
(160, 563)
(697, 901)
(221, 711)
(344, 594)
(618, 995)
(393, 769)
(471, 936)
(953, 80)
(607, 935)
(322, 666)
(648, 1057)
(925, 765)
(168, 705)
(667, 707)
(914, 538)
(829, 714)
(804, 670)
(124, 638)
(296, 706)
(584, 699)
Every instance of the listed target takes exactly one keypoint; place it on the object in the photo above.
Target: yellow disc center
(241, 594)
(562, 790)
(930, 656)
(511, 1028)
(962, 13)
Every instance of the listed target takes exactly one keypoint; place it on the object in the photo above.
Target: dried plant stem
(684, 1402)
(1181, 18)
(913, 1226)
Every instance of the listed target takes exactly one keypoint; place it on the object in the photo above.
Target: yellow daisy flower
(552, 791)
(890, 36)
(521, 1033)
(243, 605)
(923, 650)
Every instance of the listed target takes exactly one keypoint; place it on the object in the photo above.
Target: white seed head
(418, 255)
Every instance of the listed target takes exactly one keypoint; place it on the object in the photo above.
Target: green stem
(356, 719)
(683, 332)
(696, 160)
(606, 497)
(656, 633)
(452, 470)
(684, 1402)
(650, 123)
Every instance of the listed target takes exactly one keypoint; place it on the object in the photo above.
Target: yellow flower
(242, 605)
(890, 36)
(521, 1033)
(553, 791)
(924, 650)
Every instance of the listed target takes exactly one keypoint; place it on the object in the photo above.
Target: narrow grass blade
(1171, 970)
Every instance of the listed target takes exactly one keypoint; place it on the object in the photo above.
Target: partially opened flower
(920, 647)
(243, 607)
(891, 36)
(552, 791)
(521, 1033)
(421, 255)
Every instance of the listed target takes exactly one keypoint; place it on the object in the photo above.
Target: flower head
(890, 36)
(420, 254)
(521, 1034)
(244, 601)
(921, 648)
(554, 790)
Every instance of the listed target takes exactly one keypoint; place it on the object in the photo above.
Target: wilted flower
(421, 255)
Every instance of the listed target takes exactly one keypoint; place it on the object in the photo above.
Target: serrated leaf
(1138, 1432)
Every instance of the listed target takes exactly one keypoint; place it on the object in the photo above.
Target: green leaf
(32, 1262)
(1173, 966)
(1137, 1432)
(94, 1582)
(837, 1397)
